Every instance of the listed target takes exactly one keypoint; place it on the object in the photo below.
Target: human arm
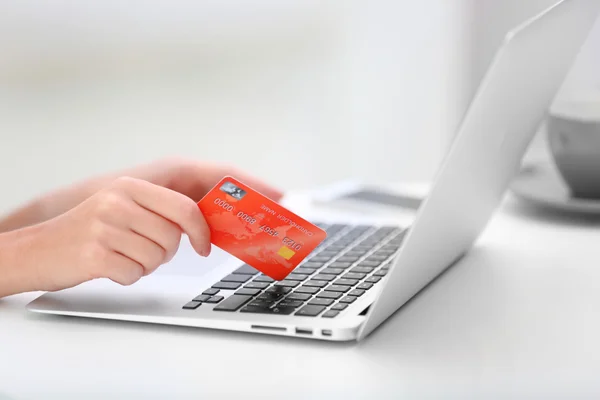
(122, 231)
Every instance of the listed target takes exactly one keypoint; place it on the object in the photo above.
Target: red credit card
(257, 230)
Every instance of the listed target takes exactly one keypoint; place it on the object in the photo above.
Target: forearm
(51, 205)
(29, 214)
(17, 274)
(168, 173)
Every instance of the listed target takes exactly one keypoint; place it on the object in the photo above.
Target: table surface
(518, 317)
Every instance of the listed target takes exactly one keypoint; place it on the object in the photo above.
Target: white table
(519, 317)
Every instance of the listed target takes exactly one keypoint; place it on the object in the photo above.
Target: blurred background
(302, 92)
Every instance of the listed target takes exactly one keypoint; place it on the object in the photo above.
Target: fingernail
(207, 250)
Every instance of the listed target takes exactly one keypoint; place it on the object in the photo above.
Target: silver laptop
(363, 273)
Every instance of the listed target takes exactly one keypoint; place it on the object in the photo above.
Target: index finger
(173, 206)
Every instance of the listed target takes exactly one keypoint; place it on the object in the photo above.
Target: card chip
(286, 252)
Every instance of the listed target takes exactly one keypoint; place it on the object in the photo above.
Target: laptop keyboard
(350, 262)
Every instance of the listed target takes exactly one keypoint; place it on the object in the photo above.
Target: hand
(119, 226)
(123, 232)
(188, 177)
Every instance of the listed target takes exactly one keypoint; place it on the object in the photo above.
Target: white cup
(574, 135)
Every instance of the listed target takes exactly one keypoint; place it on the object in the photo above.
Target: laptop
(362, 273)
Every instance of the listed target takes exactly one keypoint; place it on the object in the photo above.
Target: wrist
(30, 214)
(18, 270)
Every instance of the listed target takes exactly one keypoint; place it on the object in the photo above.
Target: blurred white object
(284, 89)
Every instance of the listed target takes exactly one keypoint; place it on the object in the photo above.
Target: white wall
(302, 92)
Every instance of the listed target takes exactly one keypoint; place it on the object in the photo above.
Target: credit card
(257, 230)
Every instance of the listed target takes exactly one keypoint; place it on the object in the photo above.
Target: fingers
(159, 230)
(122, 269)
(139, 249)
(173, 206)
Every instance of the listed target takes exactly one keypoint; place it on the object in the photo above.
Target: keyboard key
(368, 262)
(321, 277)
(370, 241)
(249, 292)
(227, 285)
(356, 252)
(336, 228)
(263, 278)
(398, 239)
(339, 306)
(338, 288)
(261, 303)
(296, 277)
(380, 273)
(320, 302)
(279, 289)
(308, 289)
(233, 303)
(290, 303)
(328, 253)
(342, 265)
(346, 282)
(377, 257)
(348, 299)
(354, 275)
(310, 311)
(349, 259)
(214, 299)
(256, 285)
(270, 296)
(245, 270)
(360, 229)
(201, 298)
(298, 296)
(312, 264)
(314, 283)
(332, 271)
(268, 310)
(364, 286)
(304, 271)
(359, 253)
(236, 278)
(330, 314)
(192, 305)
(330, 295)
(211, 292)
(289, 284)
(321, 259)
(356, 292)
(373, 279)
(362, 270)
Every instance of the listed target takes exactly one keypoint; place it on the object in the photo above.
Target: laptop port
(304, 331)
(326, 332)
(268, 328)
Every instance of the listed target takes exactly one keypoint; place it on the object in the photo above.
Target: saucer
(542, 186)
